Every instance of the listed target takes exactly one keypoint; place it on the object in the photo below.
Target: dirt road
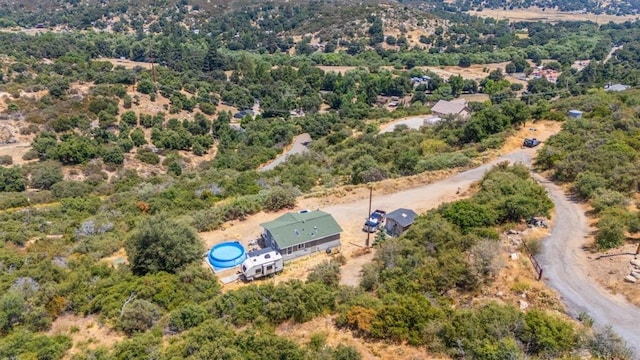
(300, 144)
(565, 269)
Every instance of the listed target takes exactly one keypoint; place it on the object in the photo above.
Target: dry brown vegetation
(549, 15)
(86, 333)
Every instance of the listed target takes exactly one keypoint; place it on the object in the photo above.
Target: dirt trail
(566, 267)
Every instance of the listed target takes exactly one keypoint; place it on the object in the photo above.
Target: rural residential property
(457, 107)
(299, 234)
(319, 179)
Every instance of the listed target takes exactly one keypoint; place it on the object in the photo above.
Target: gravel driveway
(565, 269)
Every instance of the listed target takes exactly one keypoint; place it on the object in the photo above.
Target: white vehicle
(262, 263)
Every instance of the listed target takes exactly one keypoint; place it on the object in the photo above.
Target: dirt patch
(85, 333)
(127, 64)
(610, 267)
(337, 69)
(549, 15)
(475, 72)
(16, 151)
(117, 258)
(540, 129)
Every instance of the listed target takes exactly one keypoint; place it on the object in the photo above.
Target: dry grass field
(549, 15)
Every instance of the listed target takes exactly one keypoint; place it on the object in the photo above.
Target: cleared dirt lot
(548, 15)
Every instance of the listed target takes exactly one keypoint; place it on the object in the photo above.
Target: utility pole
(153, 69)
(637, 252)
(369, 214)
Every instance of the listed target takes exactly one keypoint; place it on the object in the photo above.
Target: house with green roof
(298, 234)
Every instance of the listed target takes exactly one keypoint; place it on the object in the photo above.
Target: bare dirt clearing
(85, 333)
(549, 15)
(337, 69)
(127, 64)
(16, 151)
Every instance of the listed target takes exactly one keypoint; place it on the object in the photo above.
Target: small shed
(576, 114)
(398, 221)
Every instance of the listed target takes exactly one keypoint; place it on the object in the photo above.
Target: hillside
(134, 137)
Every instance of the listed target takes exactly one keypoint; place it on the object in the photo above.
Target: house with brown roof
(457, 107)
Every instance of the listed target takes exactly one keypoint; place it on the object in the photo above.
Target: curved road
(564, 270)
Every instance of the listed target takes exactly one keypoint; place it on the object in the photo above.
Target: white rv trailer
(262, 263)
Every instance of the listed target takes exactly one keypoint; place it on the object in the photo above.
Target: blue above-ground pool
(227, 255)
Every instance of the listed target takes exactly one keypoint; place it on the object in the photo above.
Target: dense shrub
(138, 316)
(11, 179)
(280, 198)
(113, 155)
(160, 243)
(327, 273)
(148, 157)
(6, 160)
(45, 174)
(443, 161)
(610, 232)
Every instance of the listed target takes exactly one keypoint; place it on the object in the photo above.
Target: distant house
(299, 234)
(549, 74)
(456, 107)
(616, 87)
(417, 80)
(398, 221)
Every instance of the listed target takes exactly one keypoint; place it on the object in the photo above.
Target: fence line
(534, 261)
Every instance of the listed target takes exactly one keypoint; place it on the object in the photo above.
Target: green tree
(465, 61)
(129, 118)
(74, 149)
(457, 84)
(45, 174)
(11, 179)
(137, 136)
(545, 334)
(146, 86)
(113, 155)
(160, 243)
(516, 110)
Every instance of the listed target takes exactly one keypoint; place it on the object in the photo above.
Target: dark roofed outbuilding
(398, 221)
